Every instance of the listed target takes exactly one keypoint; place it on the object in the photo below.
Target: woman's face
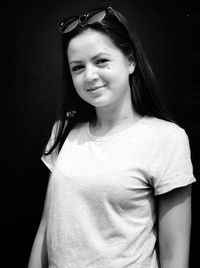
(100, 71)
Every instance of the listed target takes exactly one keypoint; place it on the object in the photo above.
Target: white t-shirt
(101, 194)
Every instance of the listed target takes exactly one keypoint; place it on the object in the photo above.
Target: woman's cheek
(76, 81)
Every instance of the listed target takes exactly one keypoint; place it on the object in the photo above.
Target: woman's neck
(111, 122)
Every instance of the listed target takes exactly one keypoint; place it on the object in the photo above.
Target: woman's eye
(102, 61)
(77, 68)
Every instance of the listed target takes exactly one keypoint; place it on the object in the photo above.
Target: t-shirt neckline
(118, 134)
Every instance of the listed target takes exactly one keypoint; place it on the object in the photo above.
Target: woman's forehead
(91, 41)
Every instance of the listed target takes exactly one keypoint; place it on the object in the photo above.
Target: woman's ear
(132, 64)
(131, 67)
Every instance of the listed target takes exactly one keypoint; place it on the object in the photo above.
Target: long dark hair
(73, 110)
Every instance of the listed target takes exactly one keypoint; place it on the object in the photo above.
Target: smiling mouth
(95, 88)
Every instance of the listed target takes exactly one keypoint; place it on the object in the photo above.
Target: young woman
(119, 193)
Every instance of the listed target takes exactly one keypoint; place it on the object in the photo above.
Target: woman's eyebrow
(93, 58)
(100, 54)
(75, 61)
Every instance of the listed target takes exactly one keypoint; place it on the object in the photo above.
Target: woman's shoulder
(162, 128)
(78, 131)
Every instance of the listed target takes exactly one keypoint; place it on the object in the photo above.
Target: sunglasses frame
(84, 19)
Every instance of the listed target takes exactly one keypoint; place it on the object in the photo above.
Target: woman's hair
(74, 110)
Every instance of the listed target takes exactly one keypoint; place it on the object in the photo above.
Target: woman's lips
(93, 89)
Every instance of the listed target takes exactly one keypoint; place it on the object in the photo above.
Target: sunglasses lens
(96, 17)
(68, 26)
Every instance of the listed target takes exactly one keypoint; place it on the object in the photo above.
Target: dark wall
(31, 65)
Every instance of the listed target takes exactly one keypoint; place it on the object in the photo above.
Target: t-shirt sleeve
(172, 166)
(50, 159)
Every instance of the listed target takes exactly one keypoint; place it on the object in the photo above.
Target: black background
(31, 71)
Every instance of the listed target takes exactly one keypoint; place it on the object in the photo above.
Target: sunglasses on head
(96, 15)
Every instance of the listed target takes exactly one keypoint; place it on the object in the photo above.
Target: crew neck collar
(112, 136)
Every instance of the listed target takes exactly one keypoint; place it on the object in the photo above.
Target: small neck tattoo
(123, 118)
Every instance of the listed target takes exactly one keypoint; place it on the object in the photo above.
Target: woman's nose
(91, 73)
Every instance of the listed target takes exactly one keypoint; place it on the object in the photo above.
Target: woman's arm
(174, 224)
(39, 257)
